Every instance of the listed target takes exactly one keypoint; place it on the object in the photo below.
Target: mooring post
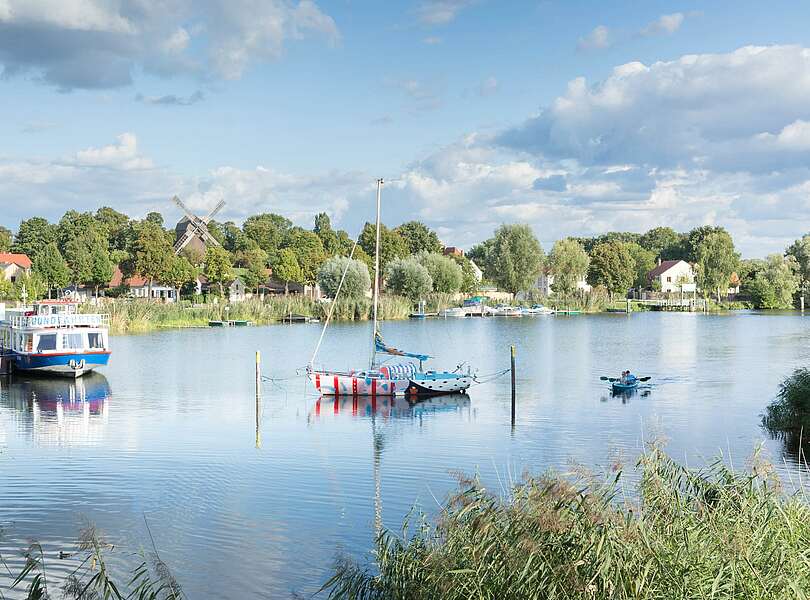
(801, 301)
(512, 352)
(258, 398)
(628, 306)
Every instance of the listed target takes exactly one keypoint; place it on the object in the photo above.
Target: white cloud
(440, 12)
(598, 39)
(101, 43)
(123, 155)
(665, 24)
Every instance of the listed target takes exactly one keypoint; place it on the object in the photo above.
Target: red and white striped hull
(345, 384)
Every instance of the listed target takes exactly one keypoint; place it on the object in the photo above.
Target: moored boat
(52, 337)
(455, 311)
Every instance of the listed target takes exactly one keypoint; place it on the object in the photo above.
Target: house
(139, 287)
(477, 272)
(545, 283)
(233, 289)
(671, 276)
(14, 265)
(453, 251)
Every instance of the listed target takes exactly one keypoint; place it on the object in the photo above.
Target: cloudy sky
(576, 117)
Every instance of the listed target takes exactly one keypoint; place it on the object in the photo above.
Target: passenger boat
(51, 337)
(384, 379)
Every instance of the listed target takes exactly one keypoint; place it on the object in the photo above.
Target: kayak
(624, 387)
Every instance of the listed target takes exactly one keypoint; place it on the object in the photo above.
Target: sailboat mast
(376, 277)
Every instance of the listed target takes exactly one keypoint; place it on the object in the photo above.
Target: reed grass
(138, 316)
(707, 533)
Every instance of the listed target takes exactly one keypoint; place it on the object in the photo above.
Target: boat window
(95, 340)
(46, 342)
(72, 341)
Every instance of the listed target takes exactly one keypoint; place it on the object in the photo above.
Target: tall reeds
(708, 533)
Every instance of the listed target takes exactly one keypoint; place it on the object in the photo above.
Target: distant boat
(52, 337)
(454, 312)
(537, 309)
(404, 378)
(504, 310)
(420, 312)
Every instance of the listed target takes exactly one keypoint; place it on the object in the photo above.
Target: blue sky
(576, 117)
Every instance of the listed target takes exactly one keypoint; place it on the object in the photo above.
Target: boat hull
(347, 384)
(624, 387)
(444, 383)
(63, 365)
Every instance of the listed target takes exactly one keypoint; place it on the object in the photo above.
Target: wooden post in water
(627, 310)
(512, 352)
(801, 301)
(258, 399)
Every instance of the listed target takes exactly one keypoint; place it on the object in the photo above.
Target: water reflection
(390, 408)
(58, 411)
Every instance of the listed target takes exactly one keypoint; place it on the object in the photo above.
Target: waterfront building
(672, 276)
(14, 265)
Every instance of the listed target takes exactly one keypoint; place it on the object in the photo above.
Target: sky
(576, 117)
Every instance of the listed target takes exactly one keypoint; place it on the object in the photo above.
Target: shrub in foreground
(710, 533)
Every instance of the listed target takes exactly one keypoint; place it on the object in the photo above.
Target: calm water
(168, 433)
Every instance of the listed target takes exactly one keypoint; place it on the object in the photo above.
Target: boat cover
(398, 371)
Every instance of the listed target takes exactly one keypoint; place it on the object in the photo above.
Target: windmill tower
(192, 231)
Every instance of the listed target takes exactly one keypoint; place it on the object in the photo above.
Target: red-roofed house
(671, 275)
(139, 287)
(14, 265)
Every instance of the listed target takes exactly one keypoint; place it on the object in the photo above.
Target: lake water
(168, 433)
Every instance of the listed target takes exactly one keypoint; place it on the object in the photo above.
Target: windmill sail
(383, 348)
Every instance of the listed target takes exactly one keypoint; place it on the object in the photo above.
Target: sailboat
(402, 378)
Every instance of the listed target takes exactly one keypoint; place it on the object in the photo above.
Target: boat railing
(59, 320)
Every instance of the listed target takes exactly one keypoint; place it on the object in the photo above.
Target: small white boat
(504, 310)
(455, 311)
(537, 309)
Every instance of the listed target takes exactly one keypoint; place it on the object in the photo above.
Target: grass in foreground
(710, 533)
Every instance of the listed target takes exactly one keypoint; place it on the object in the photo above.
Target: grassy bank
(711, 533)
(132, 316)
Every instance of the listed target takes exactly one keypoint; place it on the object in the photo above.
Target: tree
(254, 260)
(800, 250)
(643, 263)
(101, 267)
(155, 218)
(517, 258)
(612, 266)
(775, 283)
(482, 255)
(115, 227)
(332, 243)
(6, 238)
(715, 261)
(696, 237)
(419, 238)
(664, 242)
(568, 262)
(392, 246)
(469, 281)
(152, 253)
(445, 272)
(406, 277)
(287, 269)
(51, 267)
(356, 282)
(77, 252)
(33, 235)
(268, 230)
(218, 267)
(180, 273)
(308, 250)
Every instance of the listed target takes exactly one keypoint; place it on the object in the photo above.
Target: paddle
(612, 379)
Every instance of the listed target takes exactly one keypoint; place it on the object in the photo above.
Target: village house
(14, 265)
(139, 287)
(671, 276)
(477, 272)
(545, 283)
(234, 289)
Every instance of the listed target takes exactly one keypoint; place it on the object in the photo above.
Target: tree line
(84, 249)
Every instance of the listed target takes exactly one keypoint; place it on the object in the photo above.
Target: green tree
(715, 261)
(694, 240)
(6, 238)
(75, 225)
(482, 255)
(419, 238)
(51, 268)
(287, 269)
(152, 253)
(664, 242)
(331, 240)
(775, 283)
(612, 266)
(445, 273)
(517, 258)
(254, 260)
(33, 234)
(356, 282)
(406, 277)
(115, 226)
(469, 281)
(218, 267)
(180, 273)
(643, 263)
(78, 255)
(800, 250)
(392, 246)
(102, 267)
(568, 262)
(309, 253)
(155, 218)
(268, 230)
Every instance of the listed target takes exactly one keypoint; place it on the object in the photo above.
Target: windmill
(193, 229)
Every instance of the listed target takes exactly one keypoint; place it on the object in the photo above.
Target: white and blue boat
(52, 337)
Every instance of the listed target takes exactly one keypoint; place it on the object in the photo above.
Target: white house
(477, 272)
(545, 282)
(671, 275)
(14, 265)
(139, 287)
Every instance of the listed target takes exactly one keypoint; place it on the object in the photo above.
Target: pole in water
(258, 399)
(802, 301)
(512, 351)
